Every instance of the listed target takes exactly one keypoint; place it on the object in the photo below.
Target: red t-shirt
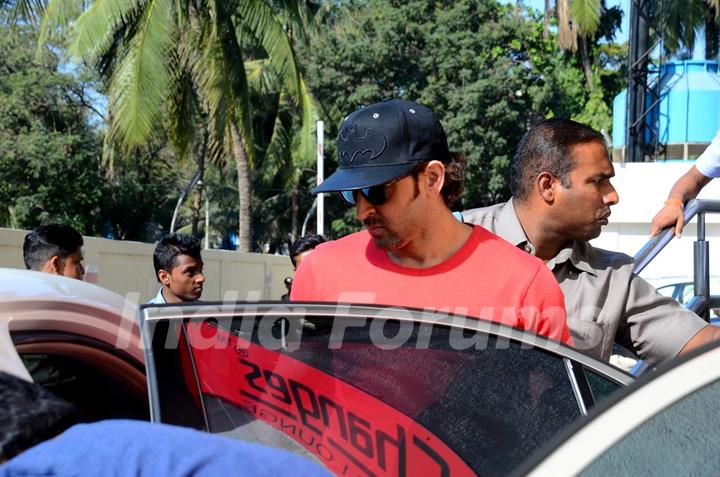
(487, 278)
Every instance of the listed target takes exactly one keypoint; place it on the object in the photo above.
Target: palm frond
(299, 16)
(95, 29)
(278, 159)
(261, 77)
(715, 6)
(266, 26)
(679, 23)
(28, 10)
(140, 83)
(57, 16)
(184, 115)
(586, 15)
(304, 153)
(220, 75)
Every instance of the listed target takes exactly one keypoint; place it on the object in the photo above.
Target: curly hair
(454, 178)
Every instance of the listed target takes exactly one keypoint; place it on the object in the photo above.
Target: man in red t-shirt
(395, 167)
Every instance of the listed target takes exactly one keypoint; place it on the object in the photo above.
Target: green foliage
(137, 202)
(48, 156)
(176, 66)
(586, 14)
(51, 167)
(486, 70)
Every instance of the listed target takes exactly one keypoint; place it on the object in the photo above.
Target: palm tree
(680, 20)
(164, 59)
(289, 149)
(578, 20)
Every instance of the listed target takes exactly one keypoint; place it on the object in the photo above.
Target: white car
(79, 340)
(666, 423)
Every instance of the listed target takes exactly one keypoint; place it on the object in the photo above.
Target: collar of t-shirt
(380, 257)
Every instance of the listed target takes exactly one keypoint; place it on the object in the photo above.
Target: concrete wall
(126, 268)
(643, 187)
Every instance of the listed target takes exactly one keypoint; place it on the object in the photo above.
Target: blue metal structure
(684, 109)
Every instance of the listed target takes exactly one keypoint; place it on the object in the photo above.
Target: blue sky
(620, 37)
(624, 33)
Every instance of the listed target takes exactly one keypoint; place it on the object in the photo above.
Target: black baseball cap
(383, 141)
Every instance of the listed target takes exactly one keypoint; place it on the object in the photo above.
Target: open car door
(368, 390)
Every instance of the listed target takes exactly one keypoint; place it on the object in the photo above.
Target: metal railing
(702, 302)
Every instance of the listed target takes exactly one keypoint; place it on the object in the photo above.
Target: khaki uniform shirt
(605, 301)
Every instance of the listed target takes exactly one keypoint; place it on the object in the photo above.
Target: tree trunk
(197, 203)
(567, 31)
(547, 14)
(295, 212)
(244, 189)
(585, 58)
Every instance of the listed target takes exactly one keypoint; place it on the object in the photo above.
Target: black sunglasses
(377, 194)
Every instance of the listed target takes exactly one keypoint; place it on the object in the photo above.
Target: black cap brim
(360, 177)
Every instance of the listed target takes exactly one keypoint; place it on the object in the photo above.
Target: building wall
(127, 268)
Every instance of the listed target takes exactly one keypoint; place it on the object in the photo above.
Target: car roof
(33, 301)
(20, 285)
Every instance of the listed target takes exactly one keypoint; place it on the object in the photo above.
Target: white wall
(643, 187)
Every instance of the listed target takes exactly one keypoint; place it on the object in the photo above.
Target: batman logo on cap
(366, 143)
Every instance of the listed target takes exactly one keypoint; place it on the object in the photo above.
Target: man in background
(178, 268)
(54, 248)
(300, 249)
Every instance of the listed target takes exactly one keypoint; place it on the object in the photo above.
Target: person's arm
(686, 188)
(706, 335)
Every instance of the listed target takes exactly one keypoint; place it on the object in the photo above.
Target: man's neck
(547, 244)
(433, 245)
(169, 296)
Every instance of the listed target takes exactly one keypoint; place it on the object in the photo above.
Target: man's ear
(547, 184)
(53, 265)
(164, 277)
(434, 177)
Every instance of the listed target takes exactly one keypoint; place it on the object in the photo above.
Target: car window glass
(417, 404)
(687, 293)
(601, 387)
(667, 290)
(97, 394)
(680, 440)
